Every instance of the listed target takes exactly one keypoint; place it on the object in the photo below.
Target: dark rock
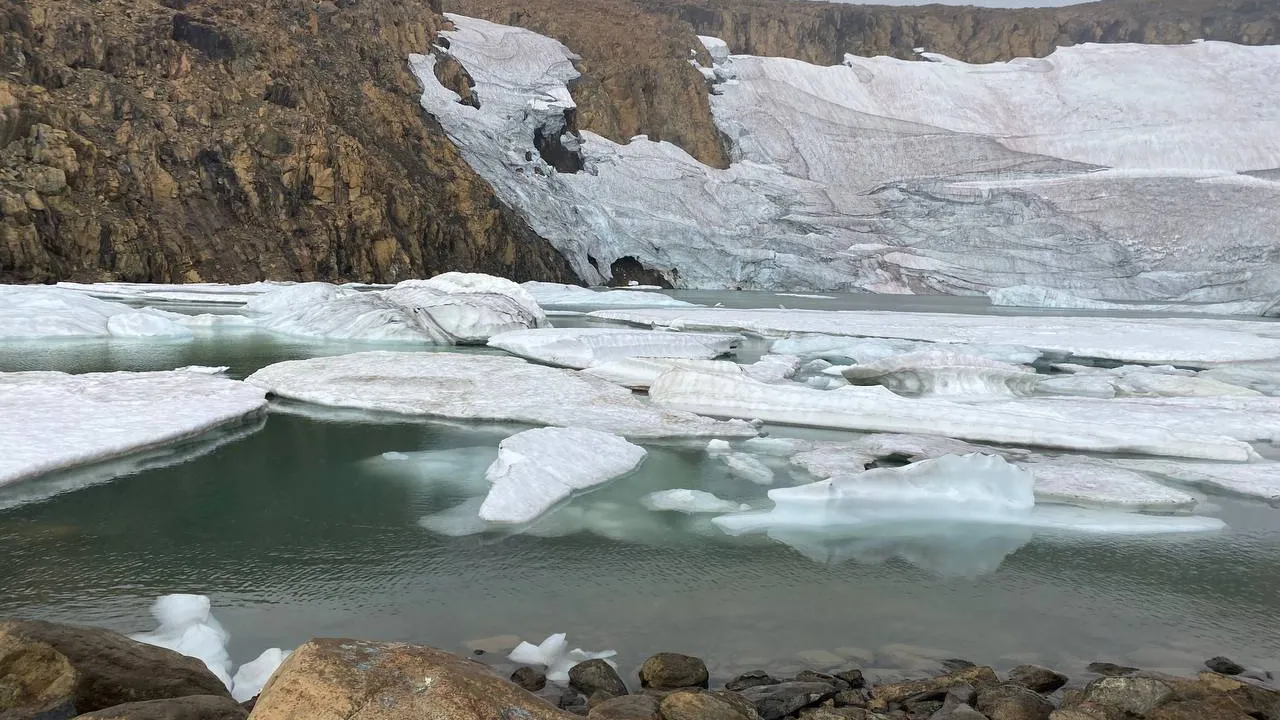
(957, 705)
(530, 679)
(1133, 695)
(1217, 709)
(923, 708)
(744, 705)
(673, 671)
(1013, 702)
(67, 670)
(203, 36)
(777, 701)
(853, 677)
(595, 676)
(754, 678)
(847, 713)
(978, 677)
(1038, 678)
(1255, 700)
(192, 707)
(694, 705)
(953, 664)
(1224, 666)
(815, 676)
(851, 698)
(1111, 669)
(627, 707)
(573, 701)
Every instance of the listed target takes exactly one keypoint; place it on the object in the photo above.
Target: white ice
(187, 293)
(584, 347)
(1192, 342)
(841, 348)
(942, 373)
(460, 468)
(536, 469)
(1196, 430)
(29, 312)
(896, 176)
(253, 675)
(480, 387)
(1046, 297)
(52, 421)
(1265, 380)
(558, 295)
(1260, 480)
(690, 502)
(555, 655)
(1138, 381)
(639, 373)
(748, 467)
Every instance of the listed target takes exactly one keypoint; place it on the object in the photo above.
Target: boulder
(336, 679)
(695, 705)
(814, 676)
(191, 707)
(782, 699)
(531, 679)
(1037, 677)
(1217, 709)
(1224, 665)
(1013, 702)
(573, 701)
(1133, 695)
(627, 707)
(65, 670)
(595, 676)
(977, 676)
(673, 671)
(828, 713)
(852, 676)
(755, 678)
(1257, 701)
(1111, 669)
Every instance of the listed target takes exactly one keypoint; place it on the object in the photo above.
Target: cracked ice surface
(1097, 174)
(52, 420)
(584, 347)
(480, 387)
(1175, 341)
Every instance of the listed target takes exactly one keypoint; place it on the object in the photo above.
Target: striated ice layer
(452, 308)
(1134, 426)
(186, 293)
(1176, 341)
(640, 372)
(943, 373)
(480, 387)
(1138, 381)
(1260, 480)
(584, 347)
(555, 655)
(1046, 297)
(690, 502)
(536, 469)
(555, 294)
(51, 420)
(863, 350)
(29, 312)
(1265, 380)
(895, 176)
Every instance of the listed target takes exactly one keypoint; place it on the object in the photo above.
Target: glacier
(536, 469)
(480, 387)
(550, 295)
(1097, 176)
(1044, 297)
(584, 347)
(52, 421)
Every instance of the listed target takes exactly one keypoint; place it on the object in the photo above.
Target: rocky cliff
(212, 140)
(823, 33)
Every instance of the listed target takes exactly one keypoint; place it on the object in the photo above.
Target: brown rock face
(636, 77)
(335, 679)
(224, 140)
(824, 32)
(194, 707)
(63, 670)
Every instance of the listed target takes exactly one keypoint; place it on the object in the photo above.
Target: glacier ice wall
(1086, 170)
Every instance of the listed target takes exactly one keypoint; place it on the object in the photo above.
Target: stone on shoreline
(191, 707)
(695, 705)
(1013, 702)
(627, 707)
(1224, 665)
(1038, 678)
(64, 670)
(530, 679)
(773, 702)
(977, 676)
(595, 676)
(1133, 695)
(750, 679)
(672, 671)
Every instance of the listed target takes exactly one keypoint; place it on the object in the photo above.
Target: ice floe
(186, 294)
(939, 372)
(480, 387)
(461, 468)
(557, 295)
(1044, 297)
(690, 502)
(536, 469)
(1136, 426)
(895, 176)
(747, 467)
(1131, 381)
(584, 347)
(51, 420)
(554, 654)
(1260, 480)
(29, 312)
(1175, 341)
(639, 373)
(843, 348)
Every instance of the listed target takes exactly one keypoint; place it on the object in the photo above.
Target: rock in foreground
(192, 707)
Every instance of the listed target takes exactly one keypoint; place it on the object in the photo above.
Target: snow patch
(584, 347)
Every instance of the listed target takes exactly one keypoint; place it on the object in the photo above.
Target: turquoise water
(296, 528)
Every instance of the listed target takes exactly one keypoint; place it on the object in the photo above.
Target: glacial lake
(299, 527)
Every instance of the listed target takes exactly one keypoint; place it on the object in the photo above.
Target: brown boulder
(46, 666)
(1037, 678)
(192, 707)
(1217, 709)
(977, 676)
(596, 676)
(627, 707)
(1133, 695)
(1013, 702)
(694, 705)
(673, 671)
(337, 679)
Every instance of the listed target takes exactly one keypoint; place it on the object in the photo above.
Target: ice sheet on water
(461, 469)
(555, 294)
(52, 421)
(1046, 297)
(1137, 381)
(585, 347)
(943, 373)
(555, 655)
(690, 501)
(1261, 480)
(185, 293)
(29, 312)
(638, 373)
(841, 348)
(536, 469)
(480, 387)
(748, 467)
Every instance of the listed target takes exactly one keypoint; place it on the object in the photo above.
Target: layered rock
(217, 140)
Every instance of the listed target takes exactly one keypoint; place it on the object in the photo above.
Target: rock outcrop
(184, 140)
(823, 33)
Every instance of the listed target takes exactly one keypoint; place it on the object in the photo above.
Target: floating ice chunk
(36, 311)
(1087, 481)
(1111, 426)
(187, 293)
(52, 420)
(480, 387)
(204, 369)
(939, 372)
(188, 627)
(718, 447)
(776, 447)
(1194, 342)
(772, 368)
(584, 347)
(288, 298)
(460, 469)
(690, 501)
(555, 655)
(460, 520)
(639, 373)
(1154, 384)
(945, 549)
(1261, 379)
(830, 459)
(1260, 480)
(393, 455)
(555, 294)
(1137, 381)
(748, 467)
(538, 468)
(841, 348)
(1078, 385)
(253, 675)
